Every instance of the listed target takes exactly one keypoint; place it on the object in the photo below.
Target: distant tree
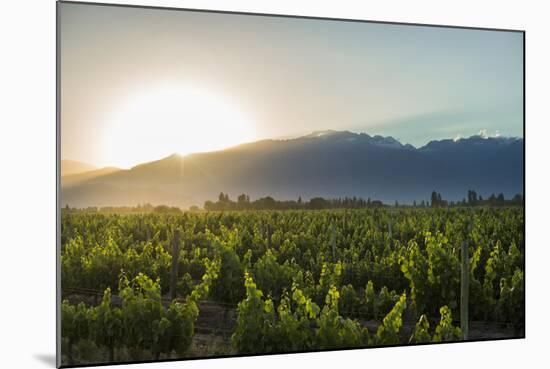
(434, 199)
(437, 200)
(163, 209)
(265, 203)
(242, 201)
(209, 205)
(472, 197)
(318, 203)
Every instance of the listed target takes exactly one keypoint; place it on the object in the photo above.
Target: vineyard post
(333, 240)
(344, 225)
(464, 290)
(70, 230)
(174, 269)
(269, 235)
(390, 229)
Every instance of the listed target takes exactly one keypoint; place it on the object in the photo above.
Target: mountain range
(69, 167)
(329, 164)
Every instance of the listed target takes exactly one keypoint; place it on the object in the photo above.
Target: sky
(140, 84)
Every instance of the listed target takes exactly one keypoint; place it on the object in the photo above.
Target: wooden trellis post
(344, 225)
(174, 269)
(390, 233)
(333, 240)
(464, 289)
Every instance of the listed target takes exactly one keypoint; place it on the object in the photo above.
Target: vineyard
(163, 286)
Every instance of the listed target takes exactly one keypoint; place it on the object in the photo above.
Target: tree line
(139, 209)
(474, 199)
(243, 202)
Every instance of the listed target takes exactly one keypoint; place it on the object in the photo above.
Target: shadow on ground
(48, 359)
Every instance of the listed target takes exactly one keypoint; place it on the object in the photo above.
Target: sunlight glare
(149, 125)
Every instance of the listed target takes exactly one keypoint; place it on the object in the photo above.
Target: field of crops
(159, 286)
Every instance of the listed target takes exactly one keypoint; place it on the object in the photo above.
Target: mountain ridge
(69, 167)
(324, 163)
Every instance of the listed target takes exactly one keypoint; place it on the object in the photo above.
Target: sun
(153, 123)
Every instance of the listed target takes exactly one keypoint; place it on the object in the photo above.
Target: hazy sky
(273, 77)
